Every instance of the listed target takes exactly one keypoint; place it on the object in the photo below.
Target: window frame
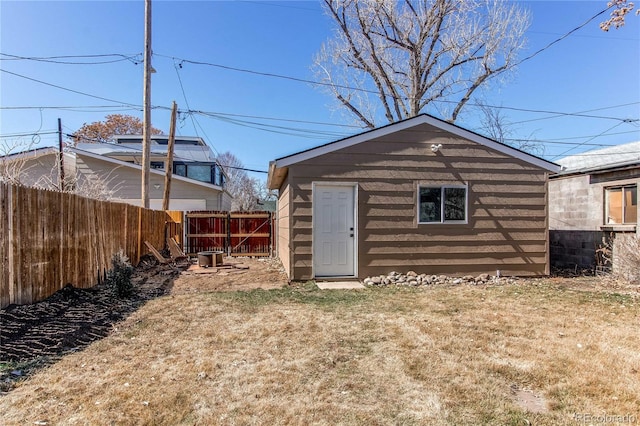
(607, 210)
(216, 173)
(442, 188)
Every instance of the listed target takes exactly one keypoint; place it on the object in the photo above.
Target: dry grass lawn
(439, 355)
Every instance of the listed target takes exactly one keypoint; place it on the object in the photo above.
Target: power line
(317, 83)
(53, 59)
(305, 133)
(579, 114)
(597, 154)
(130, 105)
(97, 141)
(71, 108)
(184, 95)
(560, 141)
(189, 111)
(264, 3)
(559, 39)
(36, 133)
(322, 123)
(588, 140)
(67, 89)
(288, 130)
(191, 115)
(602, 37)
(244, 168)
(262, 171)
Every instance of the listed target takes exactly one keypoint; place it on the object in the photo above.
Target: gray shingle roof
(628, 153)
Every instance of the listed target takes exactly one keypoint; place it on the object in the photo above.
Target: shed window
(621, 205)
(442, 204)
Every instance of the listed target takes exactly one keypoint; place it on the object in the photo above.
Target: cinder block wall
(571, 249)
(575, 204)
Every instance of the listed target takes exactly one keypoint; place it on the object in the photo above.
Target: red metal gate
(235, 233)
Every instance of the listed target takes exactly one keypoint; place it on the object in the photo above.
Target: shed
(420, 194)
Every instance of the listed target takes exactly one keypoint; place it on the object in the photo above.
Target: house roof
(128, 147)
(31, 153)
(603, 158)
(160, 139)
(278, 168)
(121, 163)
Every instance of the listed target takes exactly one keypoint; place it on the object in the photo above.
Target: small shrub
(119, 276)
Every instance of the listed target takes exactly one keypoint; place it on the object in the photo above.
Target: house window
(442, 204)
(201, 172)
(217, 180)
(621, 205)
(180, 169)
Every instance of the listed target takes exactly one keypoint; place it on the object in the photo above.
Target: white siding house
(113, 171)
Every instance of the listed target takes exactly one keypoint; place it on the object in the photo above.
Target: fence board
(5, 242)
(51, 239)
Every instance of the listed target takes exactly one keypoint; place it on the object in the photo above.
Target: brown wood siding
(507, 209)
(283, 232)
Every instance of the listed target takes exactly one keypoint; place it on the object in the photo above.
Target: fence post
(12, 287)
(228, 239)
(270, 234)
(139, 249)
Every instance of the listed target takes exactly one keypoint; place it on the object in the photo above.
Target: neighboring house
(113, 171)
(593, 198)
(198, 181)
(421, 195)
(38, 167)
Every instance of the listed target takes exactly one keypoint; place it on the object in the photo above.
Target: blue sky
(259, 118)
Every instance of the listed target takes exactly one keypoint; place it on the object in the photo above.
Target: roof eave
(599, 169)
(276, 175)
(412, 122)
(152, 171)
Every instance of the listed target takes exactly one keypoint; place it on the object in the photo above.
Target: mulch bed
(33, 336)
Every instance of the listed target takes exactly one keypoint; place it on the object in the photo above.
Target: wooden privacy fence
(51, 239)
(235, 233)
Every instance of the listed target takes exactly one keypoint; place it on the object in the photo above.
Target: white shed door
(333, 231)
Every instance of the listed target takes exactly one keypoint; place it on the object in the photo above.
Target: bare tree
(240, 185)
(99, 186)
(495, 125)
(400, 56)
(264, 193)
(20, 165)
(621, 8)
(12, 164)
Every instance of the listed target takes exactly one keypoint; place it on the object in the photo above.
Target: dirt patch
(243, 274)
(36, 335)
(73, 317)
(33, 336)
(529, 400)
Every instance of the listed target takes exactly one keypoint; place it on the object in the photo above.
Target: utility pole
(146, 122)
(168, 167)
(61, 157)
